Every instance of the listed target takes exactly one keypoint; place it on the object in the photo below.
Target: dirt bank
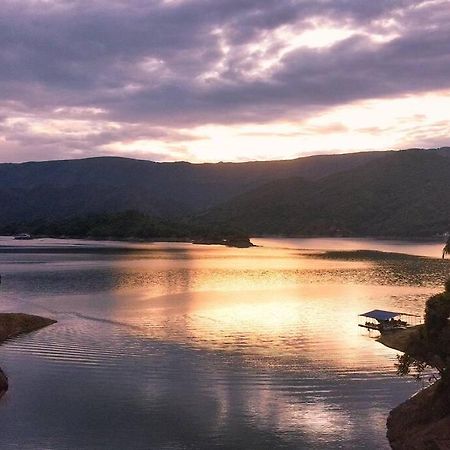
(398, 339)
(14, 324)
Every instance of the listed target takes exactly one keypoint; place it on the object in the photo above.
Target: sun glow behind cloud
(366, 125)
(266, 54)
(414, 120)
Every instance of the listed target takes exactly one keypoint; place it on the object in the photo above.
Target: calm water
(177, 346)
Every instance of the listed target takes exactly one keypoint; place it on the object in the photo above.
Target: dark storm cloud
(190, 62)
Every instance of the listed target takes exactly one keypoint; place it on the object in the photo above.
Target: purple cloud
(155, 64)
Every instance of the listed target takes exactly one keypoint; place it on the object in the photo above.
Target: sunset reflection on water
(211, 346)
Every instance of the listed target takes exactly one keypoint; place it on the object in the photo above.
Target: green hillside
(403, 194)
(55, 190)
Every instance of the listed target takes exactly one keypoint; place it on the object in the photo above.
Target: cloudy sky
(211, 80)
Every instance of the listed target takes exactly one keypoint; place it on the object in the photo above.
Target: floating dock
(381, 320)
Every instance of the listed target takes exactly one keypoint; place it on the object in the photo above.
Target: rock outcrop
(3, 383)
(422, 422)
(14, 324)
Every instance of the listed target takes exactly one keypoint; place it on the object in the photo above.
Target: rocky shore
(14, 324)
(423, 421)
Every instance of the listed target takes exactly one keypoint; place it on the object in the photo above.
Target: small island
(14, 324)
(237, 242)
(131, 226)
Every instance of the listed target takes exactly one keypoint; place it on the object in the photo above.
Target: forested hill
(403, 193)
(60, 189)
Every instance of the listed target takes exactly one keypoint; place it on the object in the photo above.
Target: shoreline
(436, 239)
(186, 239)
(16, 324)
(421, 422)
(227, 242)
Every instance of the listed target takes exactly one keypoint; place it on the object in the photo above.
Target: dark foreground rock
(3, 383)
(422, 422)
(14, 324)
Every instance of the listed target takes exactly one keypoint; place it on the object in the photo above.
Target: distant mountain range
(405, 193)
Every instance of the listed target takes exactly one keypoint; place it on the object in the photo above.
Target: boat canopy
(380, 315)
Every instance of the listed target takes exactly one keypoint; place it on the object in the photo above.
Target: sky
(221, 80)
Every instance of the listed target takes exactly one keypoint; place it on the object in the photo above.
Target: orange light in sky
(397, 123)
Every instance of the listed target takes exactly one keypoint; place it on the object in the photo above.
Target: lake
(181, 346)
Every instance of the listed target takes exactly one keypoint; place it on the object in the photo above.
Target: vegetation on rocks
(423, 422)
(430, 347)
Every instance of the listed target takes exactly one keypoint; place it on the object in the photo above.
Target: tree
(446, 250)
(431, 346)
